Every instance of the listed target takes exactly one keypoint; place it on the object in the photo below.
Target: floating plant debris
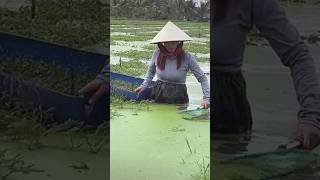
(74, 23)
(123, 85)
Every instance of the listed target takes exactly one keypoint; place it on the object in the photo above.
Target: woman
(171, 63)
(233, 19)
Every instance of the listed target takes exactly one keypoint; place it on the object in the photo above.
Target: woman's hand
(205, 104)
(98, 87)
(308, 135)
(139, 90)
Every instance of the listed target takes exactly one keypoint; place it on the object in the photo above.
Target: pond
(158, 143)
(56, 160)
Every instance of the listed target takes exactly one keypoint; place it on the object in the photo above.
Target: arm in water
(98, 86)
(150, 73)
(202, 79)
(284, 38)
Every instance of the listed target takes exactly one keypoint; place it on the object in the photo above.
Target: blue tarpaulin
(65, 106)
(125, 93)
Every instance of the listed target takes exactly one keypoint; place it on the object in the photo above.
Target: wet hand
(139, 90)
(98, 87)
(308, 135)
(205, 104)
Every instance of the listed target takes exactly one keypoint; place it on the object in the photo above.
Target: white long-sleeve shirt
(173, 75)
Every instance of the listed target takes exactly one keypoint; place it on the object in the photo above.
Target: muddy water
(305, 17)
(152, 145)
(274, 107)
(272, 97)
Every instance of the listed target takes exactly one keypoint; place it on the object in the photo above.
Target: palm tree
(163, 9)
(190, 10)
(140, 8)
(125, 8)
(203, 10)
(180, 6)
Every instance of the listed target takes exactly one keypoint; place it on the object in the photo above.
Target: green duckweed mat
(264, 166)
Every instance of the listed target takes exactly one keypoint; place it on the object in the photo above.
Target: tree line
(189, 10)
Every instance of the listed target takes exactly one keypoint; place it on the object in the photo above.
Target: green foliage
(23, 122)
(197, 48)
(74, 23)
(10, 164)
(123, 85)
(131, 68)
(136, 55)
(204, 171)
(161, 9)
(130, 38)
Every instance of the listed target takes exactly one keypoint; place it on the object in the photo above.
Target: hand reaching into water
(205, 104)
(98, 87)
(139, 90)
(308, 135)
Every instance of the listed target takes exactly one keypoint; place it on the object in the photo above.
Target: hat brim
(170, 32)
(156, 42)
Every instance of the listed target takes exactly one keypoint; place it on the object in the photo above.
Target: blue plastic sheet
(65, 106)
(12, 46)
(127, 94)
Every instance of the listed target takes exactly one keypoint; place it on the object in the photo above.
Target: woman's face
(171, 46)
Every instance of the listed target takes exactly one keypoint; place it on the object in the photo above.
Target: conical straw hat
(170, 32)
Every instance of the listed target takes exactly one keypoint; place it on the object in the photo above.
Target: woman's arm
(151, 70)
(201, 77)
(284, 38)
(98, 86)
